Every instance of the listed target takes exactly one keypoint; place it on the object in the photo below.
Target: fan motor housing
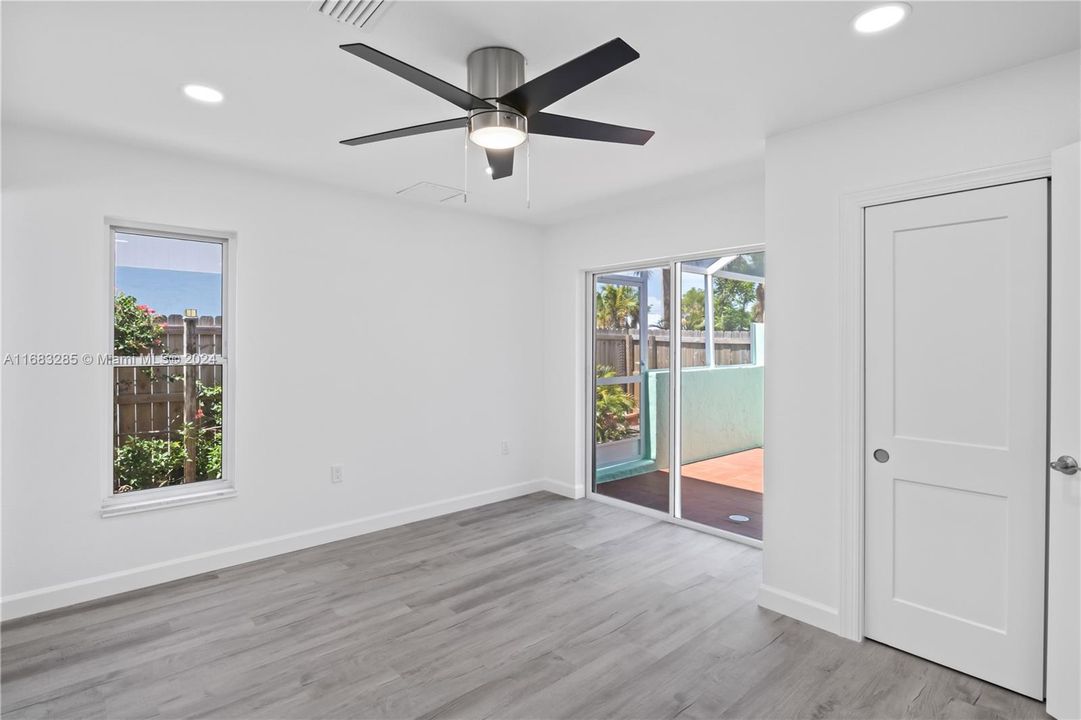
(492, 73)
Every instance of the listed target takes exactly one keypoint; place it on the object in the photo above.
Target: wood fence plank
(732, 347)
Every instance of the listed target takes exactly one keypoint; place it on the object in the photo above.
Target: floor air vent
(431, 192)
(351, 12)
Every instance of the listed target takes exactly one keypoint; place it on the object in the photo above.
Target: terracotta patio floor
(713, 490)
(741, 470)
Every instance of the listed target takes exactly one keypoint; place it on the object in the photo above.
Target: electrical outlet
(504, 448)
(337, 473)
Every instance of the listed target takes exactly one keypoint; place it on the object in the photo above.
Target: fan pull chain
(528, 170)
(465, 169)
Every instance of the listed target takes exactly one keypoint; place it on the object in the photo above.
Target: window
(169, 365)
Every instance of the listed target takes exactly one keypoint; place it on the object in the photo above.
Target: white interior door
(1064, 499)
(956, 395)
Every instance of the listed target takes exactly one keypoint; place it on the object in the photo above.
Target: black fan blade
(540, 92)
(431, 83)
(407, 131)
(569, 127)
(501, 162)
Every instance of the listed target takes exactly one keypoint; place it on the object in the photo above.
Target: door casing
(1063, 661)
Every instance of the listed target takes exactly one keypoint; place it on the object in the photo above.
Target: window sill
(169, 497)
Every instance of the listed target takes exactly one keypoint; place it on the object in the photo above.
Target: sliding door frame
(674, 265)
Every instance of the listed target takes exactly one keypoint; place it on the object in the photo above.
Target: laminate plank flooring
(537, 607)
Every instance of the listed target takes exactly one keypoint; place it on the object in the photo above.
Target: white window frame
(114, 504)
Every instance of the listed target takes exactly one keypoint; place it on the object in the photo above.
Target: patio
(713, 490)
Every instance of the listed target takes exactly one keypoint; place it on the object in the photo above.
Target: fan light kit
(502, 108)
(496, 137)
(880, 18)
(203, 94)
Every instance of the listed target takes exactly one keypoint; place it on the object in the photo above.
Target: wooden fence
(149, 402)
(621, 350)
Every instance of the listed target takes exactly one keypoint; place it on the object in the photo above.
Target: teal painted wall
(722, 414)
(722, 411)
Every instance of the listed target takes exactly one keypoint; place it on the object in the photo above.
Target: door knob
(881, 455)
(1065, 465)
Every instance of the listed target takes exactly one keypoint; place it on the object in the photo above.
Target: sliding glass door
(681, 341)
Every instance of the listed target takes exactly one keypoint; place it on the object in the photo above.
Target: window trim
(113, 504)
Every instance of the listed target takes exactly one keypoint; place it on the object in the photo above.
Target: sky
(170, 274)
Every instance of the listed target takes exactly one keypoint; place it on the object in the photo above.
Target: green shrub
(143, 463)
(613, 405)
(208, 443)
(208, 457)
(210, 405)
(135, 329)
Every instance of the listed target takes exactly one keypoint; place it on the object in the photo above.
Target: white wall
(710, 217)
(1016, 115)
(418, 429)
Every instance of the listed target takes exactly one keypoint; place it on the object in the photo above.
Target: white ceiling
(714, 79)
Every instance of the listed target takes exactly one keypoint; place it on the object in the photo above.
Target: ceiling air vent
(430, 192)
(351, 12)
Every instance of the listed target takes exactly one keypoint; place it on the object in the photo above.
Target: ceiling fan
(502, 107)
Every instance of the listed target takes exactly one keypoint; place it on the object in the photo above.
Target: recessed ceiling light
(202, 93)
(881, 17)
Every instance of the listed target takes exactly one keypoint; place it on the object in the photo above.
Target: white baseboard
(65, 594)
(800, 608)
(562, 488)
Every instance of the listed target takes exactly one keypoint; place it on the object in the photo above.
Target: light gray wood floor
(537, 607)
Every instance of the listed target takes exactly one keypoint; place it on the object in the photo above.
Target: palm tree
(694, 309)
(617, 307)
